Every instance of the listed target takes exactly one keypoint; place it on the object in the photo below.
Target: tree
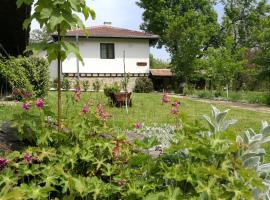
(220, 67)
(58, 16)
(39, 35)
(241, 18)
(156, 63)
(186, 29)
(262, 52)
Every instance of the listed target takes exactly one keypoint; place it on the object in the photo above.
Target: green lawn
(147, 109)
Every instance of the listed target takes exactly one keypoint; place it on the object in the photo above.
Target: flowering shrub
(88, 160)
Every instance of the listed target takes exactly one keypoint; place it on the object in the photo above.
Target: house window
(107, 51)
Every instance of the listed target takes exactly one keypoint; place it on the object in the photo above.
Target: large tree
(186, 28)
(241, 19)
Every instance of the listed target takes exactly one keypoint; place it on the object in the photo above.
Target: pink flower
(27, 95)
(26, 106)
(27, 157)
(138, 125)
(165, 98)
(176, 104)
(102, 114)
(77, 94)
(3, 162)
(40, 103)
(85, 109)
(175, 111)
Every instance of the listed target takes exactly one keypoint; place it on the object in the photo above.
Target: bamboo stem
(59, 110)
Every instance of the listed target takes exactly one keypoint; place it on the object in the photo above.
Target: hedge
(27, 73)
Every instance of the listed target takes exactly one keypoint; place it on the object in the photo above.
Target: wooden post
(125, 79)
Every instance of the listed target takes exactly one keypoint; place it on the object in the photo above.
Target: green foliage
(158, 63)
(30, 74)
(241, 19)
(252, 153)
(66, 85)
(57, 16)
(240, 96)
(143, 85)
(97, 85)
(40, 35)
(86, 85)
(81, 162)
(220, 67)
(185, 27)
(110, 90)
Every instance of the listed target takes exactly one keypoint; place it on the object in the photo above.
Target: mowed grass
(148, 109)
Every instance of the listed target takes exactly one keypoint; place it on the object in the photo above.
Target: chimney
(107, 23)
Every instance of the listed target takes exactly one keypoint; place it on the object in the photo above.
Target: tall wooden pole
(125, 79)
(59, 110)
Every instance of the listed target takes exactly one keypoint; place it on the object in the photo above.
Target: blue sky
(124, 14)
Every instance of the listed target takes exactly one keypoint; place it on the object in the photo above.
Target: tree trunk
(13, 39)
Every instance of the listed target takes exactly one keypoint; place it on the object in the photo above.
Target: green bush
(109, 90)
(85, 85)
(66, 84)
(27, 73)
(143, 85)
(97, 85)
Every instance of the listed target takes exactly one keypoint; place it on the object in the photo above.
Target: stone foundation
(105, 81)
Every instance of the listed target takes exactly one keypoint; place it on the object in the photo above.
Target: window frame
(107, 50)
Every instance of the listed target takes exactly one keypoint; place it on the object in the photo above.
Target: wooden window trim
(107, 47)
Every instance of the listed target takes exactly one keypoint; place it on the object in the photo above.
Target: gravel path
(246, 106)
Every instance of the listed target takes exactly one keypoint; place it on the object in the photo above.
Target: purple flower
(177, 104)
(27, 157)
(26, 106)
(138, 125)
(165, 98)
(77, 94)
(175, 111)
(3, 162)
(27, 95)
(85, 109)
(77, 90)
(40, 103)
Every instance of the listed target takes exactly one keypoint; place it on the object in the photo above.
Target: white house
(103, 54)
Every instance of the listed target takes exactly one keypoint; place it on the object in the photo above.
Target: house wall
(136, 50)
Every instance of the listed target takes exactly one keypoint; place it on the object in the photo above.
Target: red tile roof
(161, 72)
(106, 31)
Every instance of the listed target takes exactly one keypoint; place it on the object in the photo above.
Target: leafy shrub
(109, 90)
(27, 73)
(205, 94)
(81, 162)
(66, 85)
(143, 85)
(164, 134)
(85, 85)
(97, 85)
